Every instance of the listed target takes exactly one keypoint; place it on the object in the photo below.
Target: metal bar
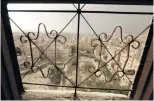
(75, 6)
(106, 89)
(115, 2)
(46, 85)
(83, 6)
(31, 53)
(74, 11)
(119, 12)
(56, 51)
(74, 86)
(59, 11)
(77, 57)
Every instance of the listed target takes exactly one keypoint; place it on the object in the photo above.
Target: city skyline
(131, 24)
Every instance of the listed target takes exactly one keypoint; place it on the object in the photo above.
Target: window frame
(10, 68)
(7, 36)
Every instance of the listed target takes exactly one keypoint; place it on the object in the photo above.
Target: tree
(18, 51)
(73, 50)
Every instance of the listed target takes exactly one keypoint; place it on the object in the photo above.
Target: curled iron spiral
(50, 71)
(99, 72)
(33, 36)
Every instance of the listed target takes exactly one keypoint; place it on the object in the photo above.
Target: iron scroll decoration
(55, 39)
(127, 46)
(31, 37)
(99, 43)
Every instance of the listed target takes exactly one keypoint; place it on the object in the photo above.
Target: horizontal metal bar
(105, 89)
(47, 85)
(115, 2)
(59, 11)
(75, 11)
(76, 87)
(118, 12)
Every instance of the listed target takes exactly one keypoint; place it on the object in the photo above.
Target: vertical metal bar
(55, 51)
(77, 57)
(31, 53)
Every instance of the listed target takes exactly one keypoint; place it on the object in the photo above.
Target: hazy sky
(132, 24)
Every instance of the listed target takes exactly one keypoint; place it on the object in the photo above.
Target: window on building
(79, 47)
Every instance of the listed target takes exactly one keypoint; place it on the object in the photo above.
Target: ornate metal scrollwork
(32, 36)
(98, 42)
